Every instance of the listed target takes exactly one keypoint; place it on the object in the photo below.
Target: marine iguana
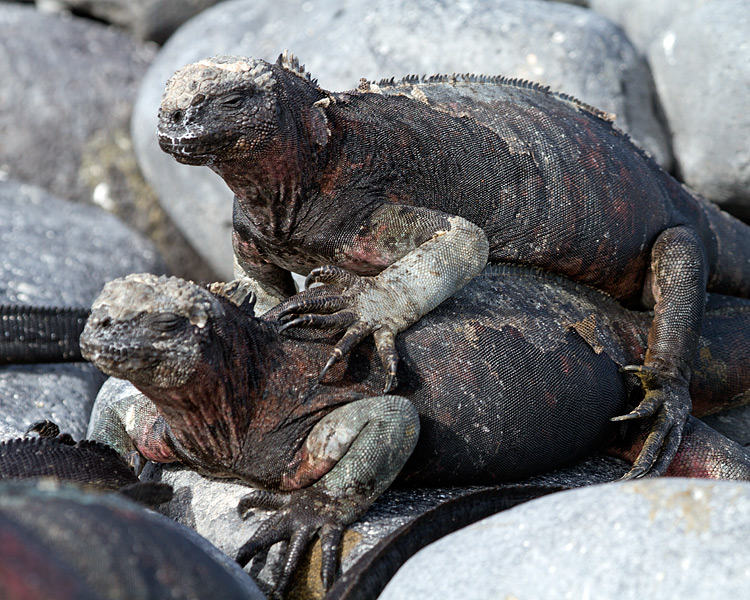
(516, 374)
(403, 190)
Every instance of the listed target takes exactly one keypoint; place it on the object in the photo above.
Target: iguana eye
(232, 100)
(165, 322)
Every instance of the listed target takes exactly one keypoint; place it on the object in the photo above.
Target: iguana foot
(361, 304)
(668, 401)
(300, 516)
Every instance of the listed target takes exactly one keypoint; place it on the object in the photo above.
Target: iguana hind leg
(677, 287)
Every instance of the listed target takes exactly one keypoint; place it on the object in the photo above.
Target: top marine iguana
(516, 374)
(403, 190)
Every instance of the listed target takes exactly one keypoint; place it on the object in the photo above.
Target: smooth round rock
(146, 19)
(701, 67)
(68, 91)
(644, 20)
(653, 538)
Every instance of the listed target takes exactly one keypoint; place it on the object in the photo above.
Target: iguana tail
(32, 334)
(730, 273)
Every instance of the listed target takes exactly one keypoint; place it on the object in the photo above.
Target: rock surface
(566, 47)
(644, 20)
(653, 538)
(78, 80)
(70, 133)
(146, 19)
(701, 66)
(58, 253)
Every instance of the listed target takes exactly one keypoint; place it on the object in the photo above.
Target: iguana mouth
(194, 151)
(116, 361)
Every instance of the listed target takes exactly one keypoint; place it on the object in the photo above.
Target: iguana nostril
(177, 116)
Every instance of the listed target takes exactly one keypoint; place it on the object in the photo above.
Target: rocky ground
(86, 196)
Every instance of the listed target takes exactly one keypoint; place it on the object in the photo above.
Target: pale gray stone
(701, 66)
(68, 91)
(644, 20)
(653, 538)
(146, 19)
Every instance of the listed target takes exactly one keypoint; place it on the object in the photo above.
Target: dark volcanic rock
(58, 542)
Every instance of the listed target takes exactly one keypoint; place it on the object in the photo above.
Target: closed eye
(233, 100)
(166, 322)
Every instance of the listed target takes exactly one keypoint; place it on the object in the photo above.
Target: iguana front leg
(428, 257)
(131, 424)
(676, 286)
(350, 457)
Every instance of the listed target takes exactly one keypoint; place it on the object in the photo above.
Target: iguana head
(155, 331)
(229, 107)
(218, 109)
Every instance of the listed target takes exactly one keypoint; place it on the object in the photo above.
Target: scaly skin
(88, 463)
(403, 190)
(517, 374)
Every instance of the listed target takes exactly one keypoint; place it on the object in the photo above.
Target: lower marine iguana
(403, 190)
(516, 374)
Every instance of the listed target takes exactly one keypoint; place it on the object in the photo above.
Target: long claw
(266, 536)
(262, 499)
(296, 548)
(323, 304)
(353, 336)
(330, 538)
(335, 357)
(330, 274)
(385, 342)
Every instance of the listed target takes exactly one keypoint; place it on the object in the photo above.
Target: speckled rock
(78, 81)
(70, 134)
(653, 538)
(701, 66)
(146, 19)
(59, 542)
(564, 46)
(58, 253)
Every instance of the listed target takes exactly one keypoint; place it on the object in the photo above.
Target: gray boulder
(68, 91)
(567, 47)
(153, 20)
(701, 66)
(58, 253)
(653, 538)
(69, 86)
(644, 20)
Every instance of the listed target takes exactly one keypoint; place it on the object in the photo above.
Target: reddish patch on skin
(152, 443)
(309, 469)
